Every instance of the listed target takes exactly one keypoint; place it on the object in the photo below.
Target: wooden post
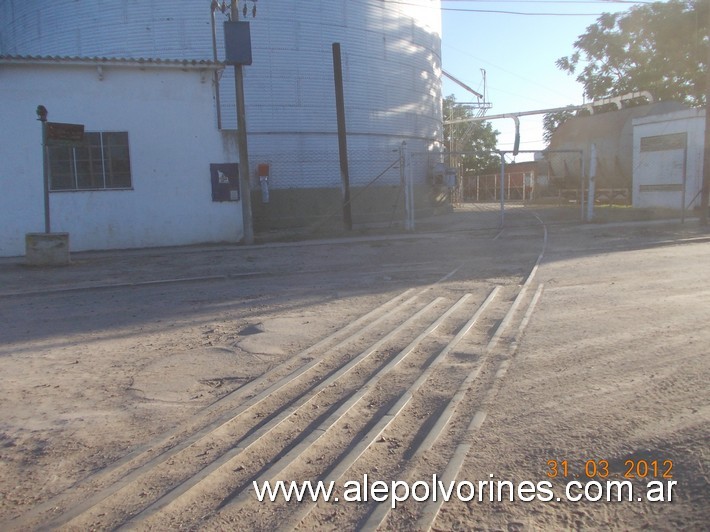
(244, 183)
(342, 135)
(705, 190)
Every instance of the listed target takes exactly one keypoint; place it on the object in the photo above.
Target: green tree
(659, 47)
(551, 121)
(472, 141)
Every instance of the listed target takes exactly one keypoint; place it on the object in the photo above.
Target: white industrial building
(668, 159)
(164, 200)
(158, 109)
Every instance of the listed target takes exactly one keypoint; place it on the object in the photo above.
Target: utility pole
(244, 184)
(705, 190)
(342, 135)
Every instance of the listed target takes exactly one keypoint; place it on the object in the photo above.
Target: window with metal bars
(100, 162)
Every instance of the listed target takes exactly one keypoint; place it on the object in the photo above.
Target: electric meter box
(225, 181)
(237, 43)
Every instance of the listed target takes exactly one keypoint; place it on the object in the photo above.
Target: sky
(518, 53)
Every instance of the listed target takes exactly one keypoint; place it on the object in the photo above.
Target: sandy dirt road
(149, 390)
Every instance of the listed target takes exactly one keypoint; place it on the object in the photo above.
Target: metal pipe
(502, 189)
(581, 188)
(511, 115)
(410, 178)
(42, 113)
(592, 183)
(461, 84)
(685, 182)
(590, 106)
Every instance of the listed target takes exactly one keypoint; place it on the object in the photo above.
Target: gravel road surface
(555, 364)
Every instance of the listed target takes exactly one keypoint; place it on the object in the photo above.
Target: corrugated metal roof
(110, 61)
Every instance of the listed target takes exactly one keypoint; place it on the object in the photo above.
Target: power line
(523, 13)
(552, 1)
(498, 67)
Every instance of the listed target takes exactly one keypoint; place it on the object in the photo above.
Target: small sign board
(237, 43)
(64, 134)
(225, 181)
(673, 141)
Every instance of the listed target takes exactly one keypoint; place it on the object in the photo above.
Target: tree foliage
(475, 141)
(552, 121)
(658, 47)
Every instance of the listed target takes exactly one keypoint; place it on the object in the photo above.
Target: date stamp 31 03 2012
(600, 469)
(596, 480)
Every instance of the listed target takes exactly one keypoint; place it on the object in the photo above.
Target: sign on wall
(673, 141)
(237, 43)
(64, 134)
(225, 181)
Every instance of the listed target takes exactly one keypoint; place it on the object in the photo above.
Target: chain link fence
(392, 185)
(302, 187)
(553, 177)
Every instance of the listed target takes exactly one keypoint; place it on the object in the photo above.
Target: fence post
(502, 189)
(592, 182)
(403, 182)
(685, 181)
(410, 185)
(406, 178)
(581, 187)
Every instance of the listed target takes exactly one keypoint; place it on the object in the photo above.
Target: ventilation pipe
(589, 106)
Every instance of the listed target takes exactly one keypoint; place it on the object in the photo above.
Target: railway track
(396, 394)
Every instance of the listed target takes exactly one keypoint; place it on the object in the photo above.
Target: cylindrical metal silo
(391, 61)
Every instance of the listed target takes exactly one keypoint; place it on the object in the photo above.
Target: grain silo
(391, 62)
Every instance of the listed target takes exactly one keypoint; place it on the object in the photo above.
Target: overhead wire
(552, 1)
(525, 13)
(507, 71)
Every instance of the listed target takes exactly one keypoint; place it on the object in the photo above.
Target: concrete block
(47, 249)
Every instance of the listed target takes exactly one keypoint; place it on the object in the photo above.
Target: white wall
(391, 62)
(658, 175)
(169, 117)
